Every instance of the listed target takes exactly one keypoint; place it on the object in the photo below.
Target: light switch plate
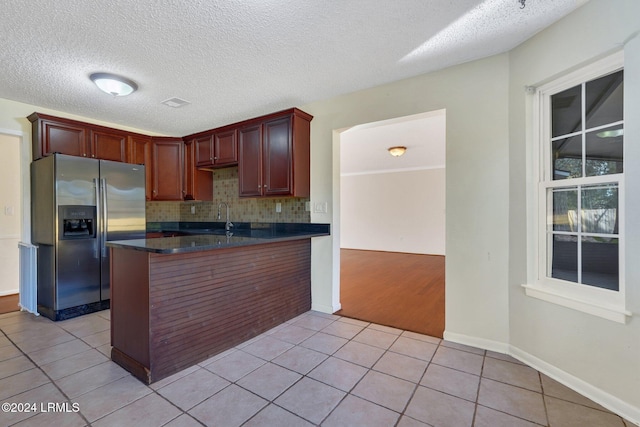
(320, 207)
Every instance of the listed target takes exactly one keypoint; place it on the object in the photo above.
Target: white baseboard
(9, 292)
(612, 403)
(497, 346)
(324, 308)
(601, 397)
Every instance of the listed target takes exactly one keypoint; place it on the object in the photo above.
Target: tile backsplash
(225, 189)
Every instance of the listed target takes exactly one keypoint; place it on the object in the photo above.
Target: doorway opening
(10, 221)
(392, 223)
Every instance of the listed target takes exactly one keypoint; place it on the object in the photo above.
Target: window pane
(565, 206)
(600, 262)
(566, 112)
(604, 100)
(565, 257)
(567, 158)
(600, 209)
(604, 151)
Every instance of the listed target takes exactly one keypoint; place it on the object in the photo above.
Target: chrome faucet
(228, 224)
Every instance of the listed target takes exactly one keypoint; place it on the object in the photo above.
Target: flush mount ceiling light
(113, 85)
(397, 151)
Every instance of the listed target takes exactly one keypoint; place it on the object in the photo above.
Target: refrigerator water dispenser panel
(77, 222)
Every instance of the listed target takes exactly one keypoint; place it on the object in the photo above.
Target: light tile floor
(316, 369)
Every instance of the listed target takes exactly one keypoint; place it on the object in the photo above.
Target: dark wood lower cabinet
(171, 311)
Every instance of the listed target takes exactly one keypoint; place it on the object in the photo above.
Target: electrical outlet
(320, 207)
(278, 207)
(193, 209)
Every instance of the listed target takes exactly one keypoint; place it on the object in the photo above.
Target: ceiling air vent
(175, 102)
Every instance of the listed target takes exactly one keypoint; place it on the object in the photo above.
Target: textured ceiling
(236, 59)
(364, 148)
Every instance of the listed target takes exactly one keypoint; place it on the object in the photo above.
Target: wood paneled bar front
(175, 309)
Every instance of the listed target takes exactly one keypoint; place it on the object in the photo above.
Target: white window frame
(600, 302)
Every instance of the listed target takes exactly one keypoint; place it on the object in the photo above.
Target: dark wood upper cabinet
(139, 153)
(225, 147)
(167, 161)
(198, 183)
(108, 145)
(65, 136)
(274, 155)
(277, 157)
(215, 149)
(250, 161)
(203, 150)
(55, 135)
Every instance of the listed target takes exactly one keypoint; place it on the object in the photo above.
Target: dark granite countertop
(200, 236)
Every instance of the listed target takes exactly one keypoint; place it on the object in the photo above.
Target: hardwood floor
(9, 303)
(405, 291)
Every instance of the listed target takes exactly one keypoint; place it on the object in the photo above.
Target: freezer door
(75, 180)
(122, 209)
(77, 261)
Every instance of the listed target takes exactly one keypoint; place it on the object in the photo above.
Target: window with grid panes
(580, 188)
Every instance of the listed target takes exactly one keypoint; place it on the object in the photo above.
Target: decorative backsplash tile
(225, 189)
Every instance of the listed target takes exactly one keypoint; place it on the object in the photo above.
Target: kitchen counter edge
(205, 242)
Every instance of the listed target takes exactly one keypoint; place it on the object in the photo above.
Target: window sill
(612, 313)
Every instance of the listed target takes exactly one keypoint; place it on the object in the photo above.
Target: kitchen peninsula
(176, 301)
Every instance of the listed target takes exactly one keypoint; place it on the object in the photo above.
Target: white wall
(394, 212)
(486, 201)
(10, 213)
(475, 96)
(598, 357)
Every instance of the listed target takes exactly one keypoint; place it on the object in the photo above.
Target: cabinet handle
(215, 158)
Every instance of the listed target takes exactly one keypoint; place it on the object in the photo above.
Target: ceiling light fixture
(113, 85)
(397, 151)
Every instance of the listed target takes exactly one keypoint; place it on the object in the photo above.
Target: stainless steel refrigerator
(77, 204)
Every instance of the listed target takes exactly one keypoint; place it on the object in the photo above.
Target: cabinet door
(198, 183)
(139, 153)
(204, 151)
(62, 138)
(108, 145)
(250, 161)
(277, 157)
(167, 170)
(225, 148)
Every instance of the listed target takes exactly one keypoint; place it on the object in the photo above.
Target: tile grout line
(361, 378)
(46, 375)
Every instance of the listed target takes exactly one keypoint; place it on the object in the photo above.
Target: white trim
(9, 292)
(6, 131)
(601, 397)
(381, 171)
(325, 308)
(549, 294)
(497, 346)
(604, 303)
(627, 411)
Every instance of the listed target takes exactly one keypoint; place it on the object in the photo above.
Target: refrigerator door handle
(104, 219)
(96, 246)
